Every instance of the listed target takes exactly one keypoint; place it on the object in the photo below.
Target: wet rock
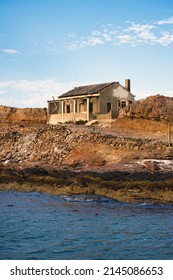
(152, 166)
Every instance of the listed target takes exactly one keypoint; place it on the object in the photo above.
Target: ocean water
(38, 226)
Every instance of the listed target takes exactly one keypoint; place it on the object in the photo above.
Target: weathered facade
(99, 101)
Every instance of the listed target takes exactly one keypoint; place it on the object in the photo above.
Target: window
(109, 107)
(68, 109)
(123, 104)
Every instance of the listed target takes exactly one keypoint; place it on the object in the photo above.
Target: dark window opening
(123, 104)
(119, 105)
(68, 109)
(91, 107)
(109, 107)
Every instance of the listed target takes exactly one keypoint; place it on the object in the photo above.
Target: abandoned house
(99, 101)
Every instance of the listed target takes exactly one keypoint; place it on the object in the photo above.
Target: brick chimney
(127, 84)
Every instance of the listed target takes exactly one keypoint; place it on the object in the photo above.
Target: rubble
(52, 144)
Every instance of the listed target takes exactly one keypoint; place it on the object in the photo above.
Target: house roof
(85, 90)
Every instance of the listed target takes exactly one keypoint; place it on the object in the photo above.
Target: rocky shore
(124, 186)
(125, 159)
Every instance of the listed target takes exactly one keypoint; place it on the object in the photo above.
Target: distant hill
(26, 115)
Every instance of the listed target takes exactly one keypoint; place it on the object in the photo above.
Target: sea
(36, 226)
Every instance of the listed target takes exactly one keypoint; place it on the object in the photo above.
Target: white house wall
(107, 96)
(122, 93)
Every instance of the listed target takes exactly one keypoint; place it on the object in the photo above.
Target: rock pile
(156, 107)
(49, 143)
(52, 144)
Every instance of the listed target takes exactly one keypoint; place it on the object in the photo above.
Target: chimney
(127, 84)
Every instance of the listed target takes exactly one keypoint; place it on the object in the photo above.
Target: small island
(129, 158)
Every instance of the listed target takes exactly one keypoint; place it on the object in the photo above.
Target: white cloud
(147, 35)
(32, 93)
(86, 42)
(96, 33)
(165, 21)
(142, 33)
(125, 39)
(107, 37)
(139, 27)
(169, 93)
(33, 85)
(9, 51)
(165, 39)
(95, 41)
(153, 33)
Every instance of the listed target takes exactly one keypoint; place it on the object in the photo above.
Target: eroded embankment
(119, 185)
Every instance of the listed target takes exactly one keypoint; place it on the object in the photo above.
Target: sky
(50, 46)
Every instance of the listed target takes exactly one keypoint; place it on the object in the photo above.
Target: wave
(88, 199)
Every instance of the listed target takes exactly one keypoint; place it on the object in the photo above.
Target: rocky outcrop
(11, 115)
(73, 145)
(156, 107)
(120, 185)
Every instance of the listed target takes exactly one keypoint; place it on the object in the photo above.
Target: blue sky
(50, 46)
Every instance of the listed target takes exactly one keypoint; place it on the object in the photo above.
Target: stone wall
(121, 142)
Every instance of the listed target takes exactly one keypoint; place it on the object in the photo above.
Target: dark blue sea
(38, 226)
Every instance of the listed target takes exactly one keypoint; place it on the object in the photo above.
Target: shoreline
(124, 186)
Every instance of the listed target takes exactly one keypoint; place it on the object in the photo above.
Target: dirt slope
(23, 116)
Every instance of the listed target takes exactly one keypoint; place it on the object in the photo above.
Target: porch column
(74, 109)
(98, 104)
(74, 106)
(88, 108)
(62, 104)
(48, 108)
(118, 105)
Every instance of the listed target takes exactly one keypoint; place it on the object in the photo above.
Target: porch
(73, 109)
